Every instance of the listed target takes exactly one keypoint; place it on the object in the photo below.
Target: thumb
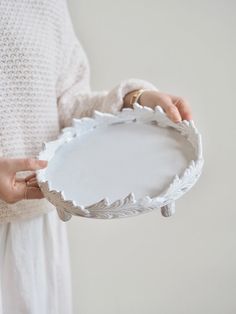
(24, 164)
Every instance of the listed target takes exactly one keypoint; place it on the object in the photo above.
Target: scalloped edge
(127, 206)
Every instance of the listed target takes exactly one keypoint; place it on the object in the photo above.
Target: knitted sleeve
(74, 95)
(77, 99)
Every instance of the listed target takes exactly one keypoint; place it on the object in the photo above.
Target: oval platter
(121, 165)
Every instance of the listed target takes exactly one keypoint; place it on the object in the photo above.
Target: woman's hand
(13, 189)
(176, 108)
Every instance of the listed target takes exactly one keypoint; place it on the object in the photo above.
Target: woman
(44, 84)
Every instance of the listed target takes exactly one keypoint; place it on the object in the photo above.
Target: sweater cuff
(113, 102)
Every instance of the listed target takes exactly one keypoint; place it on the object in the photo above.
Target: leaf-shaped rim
(127, 206)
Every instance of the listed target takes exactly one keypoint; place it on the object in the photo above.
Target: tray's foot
(168, 210)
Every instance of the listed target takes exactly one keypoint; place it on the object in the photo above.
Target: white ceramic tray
(113, 166)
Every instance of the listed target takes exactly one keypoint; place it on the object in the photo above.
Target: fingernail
(177, 120)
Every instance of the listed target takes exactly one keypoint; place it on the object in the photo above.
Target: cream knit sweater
(44, 84)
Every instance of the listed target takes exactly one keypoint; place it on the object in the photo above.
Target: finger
(184, 109)
(171, 110)
(20, 180)
(28, 178)
(32, 183)
(22, 191)
(33, 193)
(32, 179)
(25, 164)
(31, 176)
(18, 190)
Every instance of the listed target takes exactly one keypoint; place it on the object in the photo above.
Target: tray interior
(114, 160)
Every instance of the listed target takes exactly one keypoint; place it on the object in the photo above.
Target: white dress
(44, 83)
(34, 267)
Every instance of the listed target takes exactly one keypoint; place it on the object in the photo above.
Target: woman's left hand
(176, 108)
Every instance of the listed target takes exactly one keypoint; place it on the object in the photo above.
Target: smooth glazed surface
(117, 159)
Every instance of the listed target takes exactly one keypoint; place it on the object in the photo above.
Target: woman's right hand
(13, 189)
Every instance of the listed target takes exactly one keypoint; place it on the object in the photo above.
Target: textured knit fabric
(44, 84)
(34, 267)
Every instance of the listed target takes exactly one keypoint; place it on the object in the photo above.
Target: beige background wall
(149, 264)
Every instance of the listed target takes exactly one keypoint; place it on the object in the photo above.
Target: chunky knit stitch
(44, 84)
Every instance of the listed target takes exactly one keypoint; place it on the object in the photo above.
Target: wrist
(132, 97)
